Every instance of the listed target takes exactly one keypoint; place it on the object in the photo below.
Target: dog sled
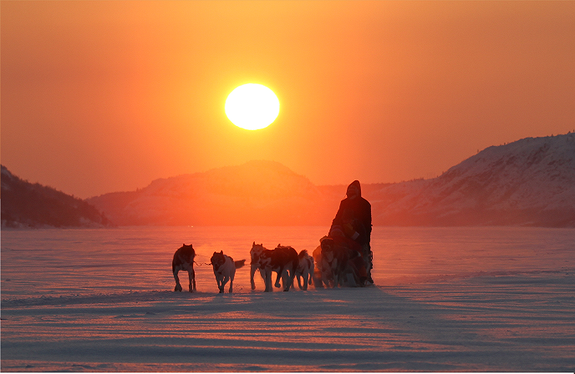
(342, 262)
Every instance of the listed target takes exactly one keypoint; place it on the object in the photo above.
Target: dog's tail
(239, 263)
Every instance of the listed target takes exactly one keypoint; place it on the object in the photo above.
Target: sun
(252, 106)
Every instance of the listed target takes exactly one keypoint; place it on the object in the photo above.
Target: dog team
(336, 266)
(343, 258)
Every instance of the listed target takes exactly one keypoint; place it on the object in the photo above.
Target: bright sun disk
(252, 106)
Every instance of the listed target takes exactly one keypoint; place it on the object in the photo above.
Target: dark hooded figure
(355, 210)
(353, 218)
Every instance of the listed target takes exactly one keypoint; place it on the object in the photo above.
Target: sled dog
(225, 269)
(321, 277)
(184, 260)
(283, 260)
(337, 263)
(304, 270)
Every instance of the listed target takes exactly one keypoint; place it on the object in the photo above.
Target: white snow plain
(446, 299)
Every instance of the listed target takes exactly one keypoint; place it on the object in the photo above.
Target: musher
(354, 219)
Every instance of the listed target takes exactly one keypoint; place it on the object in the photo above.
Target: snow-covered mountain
(527, 182)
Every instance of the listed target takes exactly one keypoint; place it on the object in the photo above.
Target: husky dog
(184, 260)
(305, 270)
(338, 263)
(320, 277)
(225, 269)
(283, 260)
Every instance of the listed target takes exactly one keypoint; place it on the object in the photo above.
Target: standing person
(354, 217)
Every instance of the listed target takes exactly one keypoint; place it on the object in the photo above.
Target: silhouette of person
(354, 218)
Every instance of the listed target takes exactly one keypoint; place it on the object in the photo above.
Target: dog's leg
(231, 285)
(178, 285)
(269, 276)
(280, 275)
(263, 274)
(325, 273)
(310, 280)
(312, 272)
(290, 275)
(317, 275)
(335, 272)
(220, 283)
(192, 278)
(285, 280)
(223, 283)
(299, 281)
(268, 280)
(252, 272)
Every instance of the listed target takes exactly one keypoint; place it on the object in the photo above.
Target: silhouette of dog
(304, 270)
(225, 269)
(184, 260)
(282, 259)
(338, 263)
(320, 277)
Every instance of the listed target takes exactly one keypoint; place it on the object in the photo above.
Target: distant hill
(32, 205)
(530, 182)
(255, 193)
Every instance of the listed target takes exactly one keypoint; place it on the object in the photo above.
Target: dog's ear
(221, 252)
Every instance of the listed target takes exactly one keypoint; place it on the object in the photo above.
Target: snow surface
(447, 299)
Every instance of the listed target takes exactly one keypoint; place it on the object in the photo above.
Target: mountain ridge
(27, 205)
(529, 182)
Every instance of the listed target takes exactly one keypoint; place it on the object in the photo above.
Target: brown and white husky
(225, 269)
(304, 270)
(282, 259)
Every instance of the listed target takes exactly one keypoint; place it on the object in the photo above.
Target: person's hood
(357, 185)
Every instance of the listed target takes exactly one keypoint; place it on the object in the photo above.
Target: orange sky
(108, 95)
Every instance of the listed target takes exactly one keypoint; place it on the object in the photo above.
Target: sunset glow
(252, 106)
(112, 95)
(287, 186)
